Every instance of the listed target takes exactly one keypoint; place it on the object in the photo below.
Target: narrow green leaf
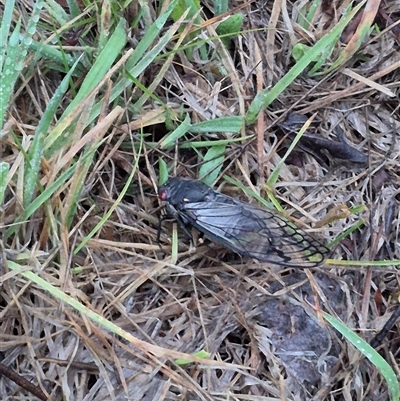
(5, 28)
(205, 144)
(50, 53)
(200, 354)
(258, 104)
(364, 263)
(222, 124)
(152, 33)
(57, 12)
(249, 192)
(4, 169)
(273, 178)
(41, 199)
(212, 165)
(150, 55)
(74, 8)
(312, 10)
(220, 7)
(83, 165)
(169, 141)
(8, 72)
(346, 233)
(230, 27)
(266, 97)
(307, 14)
(174, 244)
(322, 59)
(35, 152)
(370, 353)
(99, 69)
(182, 6)
(103, 63)
(114, 206)
(162, 171)
(13, 53)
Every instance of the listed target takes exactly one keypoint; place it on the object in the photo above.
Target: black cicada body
(241, 227)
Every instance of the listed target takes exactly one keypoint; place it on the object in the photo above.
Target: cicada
(246, 229)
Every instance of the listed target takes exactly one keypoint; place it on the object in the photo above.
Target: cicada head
(178, 191)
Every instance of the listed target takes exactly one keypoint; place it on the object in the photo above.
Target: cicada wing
(256, 233)
(292, 245)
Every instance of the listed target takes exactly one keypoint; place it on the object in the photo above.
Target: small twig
(376, 341)
(22, 382)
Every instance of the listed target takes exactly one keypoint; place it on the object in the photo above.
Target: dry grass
(91, 308)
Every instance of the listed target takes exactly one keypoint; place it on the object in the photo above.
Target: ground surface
(91, 308)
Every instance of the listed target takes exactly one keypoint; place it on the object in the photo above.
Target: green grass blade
(56, 12)
(273, 178)
(14, 52)
(370, 353)
(364, 263)
(186, 7)
(220, 6)
(158, 351)
(213, 162)
(346, 233)
(169, 140)
(9, 73)
(140, 55)
(114, 206)
(101, 66)
(42, 198)
(205, 144)
(74, 8)
(5, 28)
(249, 192)
(264, 98)
(222, 124)
(162, 171)
(152, 33)
(96, 74)
(150, 55)
(35, 152)
(50, 53)
(4, 169)
(78, 182)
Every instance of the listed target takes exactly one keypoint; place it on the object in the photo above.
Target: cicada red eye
(162, 195)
